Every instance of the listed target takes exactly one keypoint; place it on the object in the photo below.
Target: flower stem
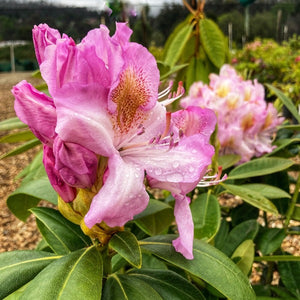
(292, 204)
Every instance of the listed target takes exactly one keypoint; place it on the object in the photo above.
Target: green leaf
(126, 244)
(177, 45)
(17, 137)
(172, 71)
(29, 195)
(289, 272)
(168, 284)
(19, 267)
(209, 264)
(206, 216)
(286, 101)
(222, 234)
(281, 144)
(252, 197)
(259, 167)
(269, 191)
(213, 41)
(26, 146)
(62, 235)
(76, 276)
(155, 218)
(16, 294)
(124, 287)
(240, 233)
(244, 255)
(270, 240)
(152, 262)
(277, 258)
(228, 160)
(196, 71)
(12, 123)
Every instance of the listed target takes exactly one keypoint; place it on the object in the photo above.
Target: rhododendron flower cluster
(104, 108)
(246, 123)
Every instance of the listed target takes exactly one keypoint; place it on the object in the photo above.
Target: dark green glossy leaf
(152, 262)
(269, 191)
(244, 231)
(252, 197)
(126, 244)
(213, 41)
(12, 123)
(76, 276)
(117, 262)
(228, 160)
(277, 258)
(289, 272)
(286, 101)
(29, 195)
(19, 267)
(168, 284)
(177, 44)
(17, 137)
(222, 234)
(244, 255)
(61, 235)
(209, 264)
(124, 287)
(20, 149)
(155, 218)
(259, 167)
(206, 216)
(269, 240)
(243, 212)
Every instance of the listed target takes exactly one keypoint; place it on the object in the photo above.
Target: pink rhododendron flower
(104, 103)
(246, 123)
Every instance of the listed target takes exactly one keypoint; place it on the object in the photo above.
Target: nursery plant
(138, 189)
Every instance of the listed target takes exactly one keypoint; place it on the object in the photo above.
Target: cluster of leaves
(196, 48)
(271, 63)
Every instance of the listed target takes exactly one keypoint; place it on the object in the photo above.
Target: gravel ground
(14, 234)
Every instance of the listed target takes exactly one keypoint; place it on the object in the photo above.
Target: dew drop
(191, 169)
(175, 164)
(175, 177)
(157, 171)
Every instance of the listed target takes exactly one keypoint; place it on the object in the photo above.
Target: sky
(99, 4)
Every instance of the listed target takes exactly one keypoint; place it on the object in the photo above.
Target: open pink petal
(43, 36)
(185, 225)
(35, 109)
(122, 196)
(194, 120)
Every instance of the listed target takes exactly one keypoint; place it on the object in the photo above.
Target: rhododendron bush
(138, 187)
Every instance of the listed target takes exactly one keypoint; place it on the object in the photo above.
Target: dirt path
(14, 234)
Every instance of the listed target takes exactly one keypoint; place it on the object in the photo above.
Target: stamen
(165, 91)
(168, 124)
(216, 178)
(175, 95)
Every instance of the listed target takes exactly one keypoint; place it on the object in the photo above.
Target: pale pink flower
(104, 94)
(246, 123)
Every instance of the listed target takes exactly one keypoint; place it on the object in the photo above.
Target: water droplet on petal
(191, 169)
(157, 171)
(175, 177)
(176, 164)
